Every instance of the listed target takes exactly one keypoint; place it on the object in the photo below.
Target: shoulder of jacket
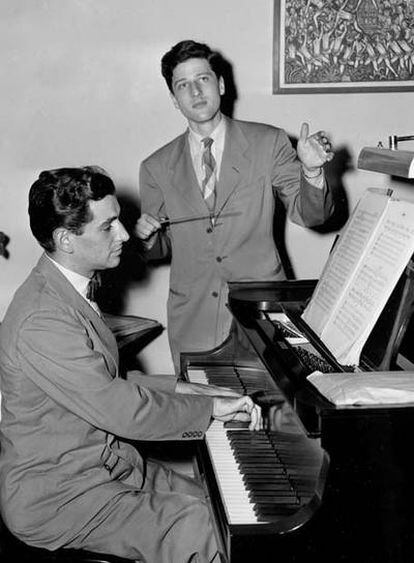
(255, 127)
(165, 151)
(35, 298)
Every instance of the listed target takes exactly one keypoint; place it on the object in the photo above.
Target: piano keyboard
(254, 483)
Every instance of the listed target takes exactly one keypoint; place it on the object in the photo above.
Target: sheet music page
(375, 277)
(342, 262)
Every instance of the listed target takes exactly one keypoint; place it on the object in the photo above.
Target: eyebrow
(109, 221)
(184, 79)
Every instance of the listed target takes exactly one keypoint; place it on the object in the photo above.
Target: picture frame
(325, 46)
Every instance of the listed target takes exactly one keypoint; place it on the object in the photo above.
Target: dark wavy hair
(60, 198)
(185, 50)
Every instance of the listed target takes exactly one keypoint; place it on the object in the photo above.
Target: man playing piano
(224, 174)
(68, 476)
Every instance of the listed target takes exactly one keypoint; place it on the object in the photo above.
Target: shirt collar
(217, 135)
(79, 282)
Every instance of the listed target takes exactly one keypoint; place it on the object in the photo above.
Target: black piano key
(274, 502)
(252, 480)
(274, 515)
(258, 487)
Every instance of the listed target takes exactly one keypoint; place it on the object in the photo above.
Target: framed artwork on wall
(343, 46)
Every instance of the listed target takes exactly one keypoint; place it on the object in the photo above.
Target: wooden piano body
(349, 469)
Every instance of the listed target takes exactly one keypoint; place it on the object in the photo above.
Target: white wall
(80, 84)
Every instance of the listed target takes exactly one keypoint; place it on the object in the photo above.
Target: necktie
(208, 186)
(93, 286)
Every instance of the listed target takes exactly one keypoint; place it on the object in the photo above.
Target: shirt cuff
(317, 181)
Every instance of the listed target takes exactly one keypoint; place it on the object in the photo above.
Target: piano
(320, 482)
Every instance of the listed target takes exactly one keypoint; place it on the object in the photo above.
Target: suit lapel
(183, 177)
(68, 293)
(234, 165)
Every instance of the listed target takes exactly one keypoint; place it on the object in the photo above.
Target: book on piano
(362, 271)
(367, 388)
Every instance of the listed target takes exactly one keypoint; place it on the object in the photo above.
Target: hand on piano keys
(228, 404)
(241, 409)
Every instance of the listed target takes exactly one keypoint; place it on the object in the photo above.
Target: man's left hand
(313, 150)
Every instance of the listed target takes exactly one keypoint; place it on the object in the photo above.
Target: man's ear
(63, 240)
(174, 100)
(222, 87)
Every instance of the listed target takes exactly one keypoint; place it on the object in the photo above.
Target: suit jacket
(258, 160)
(64, 407)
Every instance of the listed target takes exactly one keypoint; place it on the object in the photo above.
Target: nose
(122, 233)
(195, 89)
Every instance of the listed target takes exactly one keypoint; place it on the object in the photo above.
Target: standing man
(68, 478)
(228, 172)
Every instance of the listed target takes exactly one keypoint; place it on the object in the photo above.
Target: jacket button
(107, 467)
(214, 294)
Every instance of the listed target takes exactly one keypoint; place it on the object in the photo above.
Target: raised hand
(313, 150)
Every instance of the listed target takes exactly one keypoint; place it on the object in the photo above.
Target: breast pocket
(250, 201)
(249, 192)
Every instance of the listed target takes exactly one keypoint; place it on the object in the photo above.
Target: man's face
(99, 247)
(197, 91)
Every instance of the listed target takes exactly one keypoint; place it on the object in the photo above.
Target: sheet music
(361, 274)
(342, 262)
